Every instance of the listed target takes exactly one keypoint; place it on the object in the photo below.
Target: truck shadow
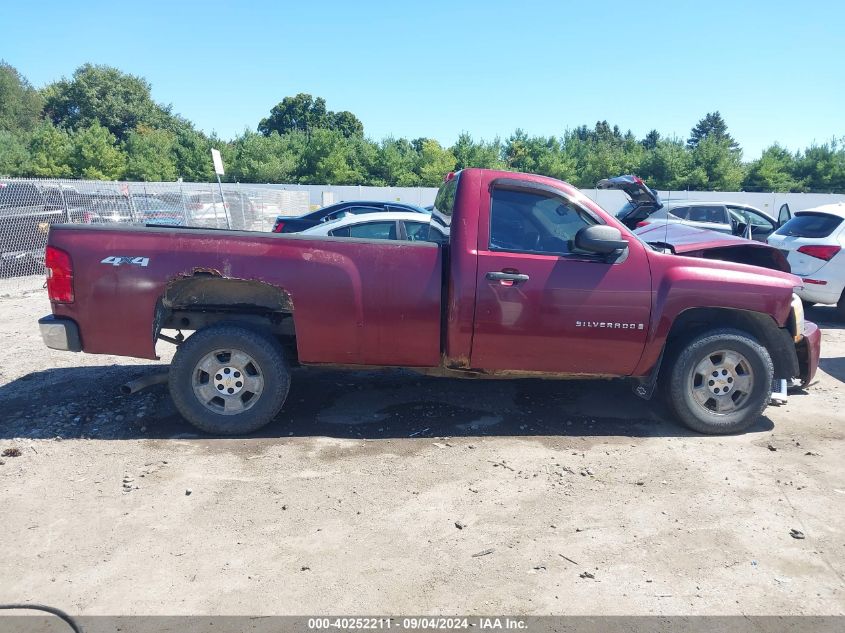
(86, 402)
(826, 317)
(834, 367)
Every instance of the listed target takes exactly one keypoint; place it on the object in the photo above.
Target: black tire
(268, 362)
(840, 305)
(682, 375)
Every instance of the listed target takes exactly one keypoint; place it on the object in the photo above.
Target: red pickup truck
(537, 281)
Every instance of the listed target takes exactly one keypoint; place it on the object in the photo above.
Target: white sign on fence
(218, 162)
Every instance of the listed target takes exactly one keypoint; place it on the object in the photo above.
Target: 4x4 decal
(117, 260)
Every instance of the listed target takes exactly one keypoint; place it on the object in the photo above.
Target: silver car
(725, 217)
(645, 207)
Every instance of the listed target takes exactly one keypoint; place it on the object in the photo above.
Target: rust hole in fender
(208, 290)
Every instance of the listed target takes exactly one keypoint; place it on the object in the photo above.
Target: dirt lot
(391, 493)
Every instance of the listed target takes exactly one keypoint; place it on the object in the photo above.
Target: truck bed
(354, 301)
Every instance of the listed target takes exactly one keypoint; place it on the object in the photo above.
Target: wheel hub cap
(228, 381)
(722, 381)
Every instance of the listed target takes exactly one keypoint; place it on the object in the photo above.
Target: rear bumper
(809, 349)
(60, 333)
(815, 293)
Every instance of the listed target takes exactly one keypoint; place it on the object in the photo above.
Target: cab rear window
(810, 225)
(444, 203)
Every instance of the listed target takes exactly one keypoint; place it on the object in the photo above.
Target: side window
(334, 216)
(359, 210)
(709, 213)
(756, 219)
(531, 222)
(417, 231)
(342, 213)
(681, 212)
(368, 230)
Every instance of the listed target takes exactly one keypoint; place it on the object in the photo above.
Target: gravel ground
(392, 493)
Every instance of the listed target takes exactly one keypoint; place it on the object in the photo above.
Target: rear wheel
(228, 379)
(840, 305)
(720, 382)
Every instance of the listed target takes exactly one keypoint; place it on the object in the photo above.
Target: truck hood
(694, 242)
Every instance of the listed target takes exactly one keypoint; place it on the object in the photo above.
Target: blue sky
(774, 69)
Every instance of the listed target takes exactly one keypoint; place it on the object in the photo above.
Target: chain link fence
(28, 207)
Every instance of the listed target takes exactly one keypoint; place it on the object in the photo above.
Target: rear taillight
(278, 226)
(643, 223)
(821, 252)
(59, 275)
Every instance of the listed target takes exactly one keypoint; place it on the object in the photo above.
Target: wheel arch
(206, 298)
(697, 320)
(778, 341)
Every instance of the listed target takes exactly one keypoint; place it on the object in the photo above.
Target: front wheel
(228, 379)
(720, 382)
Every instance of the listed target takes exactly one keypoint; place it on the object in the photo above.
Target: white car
(390, 225)
(814, 244)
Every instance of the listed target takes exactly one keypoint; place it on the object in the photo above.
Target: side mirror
(601, 239)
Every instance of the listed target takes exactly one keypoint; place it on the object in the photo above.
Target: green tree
(716, 165)
(668, 166)
(273, 158)
(773, 171)
(365, 159)
(346, 123)
(711, 126)
(433, 163)
(14, 154)
(305, 113)
(394, 164)
(301, 112)
(651, 140)
(50, 152)
(115, 100)
(517, 152)
(553, 160)
(20, 103)
(469, 153)
(151, 155)
(94, 154)
(327, 159)
(822, 167)
(193, 155)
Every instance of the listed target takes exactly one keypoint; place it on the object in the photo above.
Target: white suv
(814, 243)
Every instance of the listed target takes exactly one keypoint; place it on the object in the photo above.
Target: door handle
(497, 275)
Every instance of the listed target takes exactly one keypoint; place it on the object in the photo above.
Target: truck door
(541, 305)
